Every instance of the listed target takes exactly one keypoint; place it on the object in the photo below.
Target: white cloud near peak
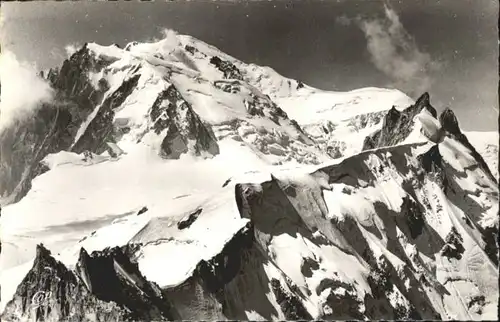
(23, 91)
(395, 52)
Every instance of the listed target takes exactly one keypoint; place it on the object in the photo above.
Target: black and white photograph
(213, 160)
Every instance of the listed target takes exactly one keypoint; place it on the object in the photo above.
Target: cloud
(343, 20)
(56, 53)
(170, 46)
(394, 52)
(22, 89)
(170, 41)
(72, 48)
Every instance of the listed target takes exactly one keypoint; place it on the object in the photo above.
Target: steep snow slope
(184, 180)
(487, 145)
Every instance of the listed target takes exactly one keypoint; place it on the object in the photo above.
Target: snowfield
(243, 194)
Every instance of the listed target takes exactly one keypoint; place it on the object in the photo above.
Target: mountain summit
(169, 180)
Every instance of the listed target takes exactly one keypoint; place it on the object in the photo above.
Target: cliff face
(172, 114)
(25, 144)
(51, 292)
(451, 126)
(397, 125)
(105, 286)
(54, 126)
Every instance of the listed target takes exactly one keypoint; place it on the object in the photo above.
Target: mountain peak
(398, 125)
(423, 99)
(424, 102)
(449, 121)
(43, 257)
(41, 251)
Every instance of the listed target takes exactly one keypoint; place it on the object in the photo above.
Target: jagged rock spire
(82, 268)
(392, 116)
(110, 288)
(424, 101)
(449, 121)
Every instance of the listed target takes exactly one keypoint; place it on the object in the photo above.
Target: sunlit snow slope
(487, 145)
(169, 180)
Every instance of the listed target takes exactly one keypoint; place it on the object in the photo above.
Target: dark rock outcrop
(143, 210)
(450, 125)
(214, 291)
(490, 237)
(174, 115)
(221, 269)
(190, 49)
(397, 125)
(275, 112)
(255, 106)
(227, 68)
(232, 87)
(449, 122)
(53, 126)
(453, 247)
(26, 142)
(51, 292)
(72, 83)
(424, 102)
(414, 217)
(111, 276)
(290, 305)
(335, 149)
(100, 129)
(189, 220)
(379, 281)
(341, 299)
(432, 163)
(106, 286)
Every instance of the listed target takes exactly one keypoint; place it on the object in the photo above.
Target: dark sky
(302, 40)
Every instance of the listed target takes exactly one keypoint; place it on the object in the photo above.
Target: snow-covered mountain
(169, 180)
